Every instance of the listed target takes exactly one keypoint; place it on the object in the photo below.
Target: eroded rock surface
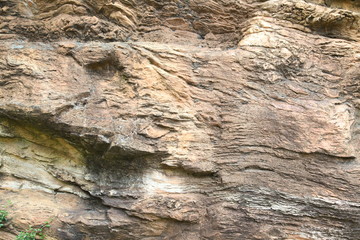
(181, 119)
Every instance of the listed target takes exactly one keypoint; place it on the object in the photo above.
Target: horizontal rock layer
(181, 119)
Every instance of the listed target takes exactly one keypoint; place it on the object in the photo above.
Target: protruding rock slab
(180, 119)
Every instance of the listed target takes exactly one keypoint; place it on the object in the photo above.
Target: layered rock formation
(181, 119)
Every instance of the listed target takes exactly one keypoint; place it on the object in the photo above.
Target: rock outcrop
(181, 119)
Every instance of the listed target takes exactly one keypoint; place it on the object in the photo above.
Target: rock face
(181, 119)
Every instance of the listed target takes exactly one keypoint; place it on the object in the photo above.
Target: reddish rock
(149, 119)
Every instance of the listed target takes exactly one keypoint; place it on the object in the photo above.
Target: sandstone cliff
(181, 119)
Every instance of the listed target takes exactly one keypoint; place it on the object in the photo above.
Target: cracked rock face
(181, 119)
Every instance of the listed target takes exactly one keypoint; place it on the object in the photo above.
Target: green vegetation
(33, 233)
(3, 219)
(3, 214)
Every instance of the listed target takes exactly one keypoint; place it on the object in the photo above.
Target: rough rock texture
(181, 119)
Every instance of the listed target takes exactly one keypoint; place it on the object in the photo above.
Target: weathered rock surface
(181, 119)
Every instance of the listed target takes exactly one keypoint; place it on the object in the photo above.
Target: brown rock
(180, 119)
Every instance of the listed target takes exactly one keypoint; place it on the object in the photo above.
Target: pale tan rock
(148, 119)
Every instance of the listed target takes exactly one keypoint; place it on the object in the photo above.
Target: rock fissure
(181, 119)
